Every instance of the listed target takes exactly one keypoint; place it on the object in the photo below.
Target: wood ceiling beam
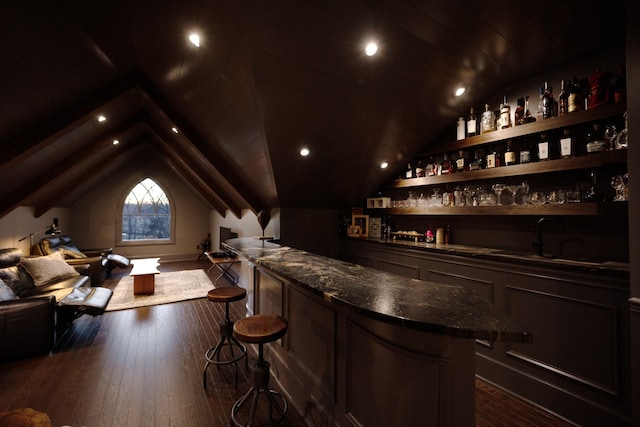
(190, 175)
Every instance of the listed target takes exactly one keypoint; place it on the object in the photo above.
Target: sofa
(40, 296)
(100, 261)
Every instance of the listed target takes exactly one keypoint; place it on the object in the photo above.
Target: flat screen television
(226, 234)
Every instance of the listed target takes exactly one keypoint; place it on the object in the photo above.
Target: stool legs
(260, 378)
(226, 337)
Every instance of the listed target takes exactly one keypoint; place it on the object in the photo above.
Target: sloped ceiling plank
(196, 167)
(24, 142)
(50, 195)
(87, 155)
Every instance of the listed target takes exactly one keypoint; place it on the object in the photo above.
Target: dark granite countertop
(510, 256)
(432, 307)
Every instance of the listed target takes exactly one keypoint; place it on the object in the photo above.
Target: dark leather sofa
(34, 306)
(100, 261)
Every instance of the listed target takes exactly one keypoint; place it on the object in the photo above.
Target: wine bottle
(510, 157)
(446, 165)
(543, 148)
(547, 102)
(472, 123)
(525, 152)
(505, 114)
(563, 99)
(460, 128)
(575, 99)
(408, 173)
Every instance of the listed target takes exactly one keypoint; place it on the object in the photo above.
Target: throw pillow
(47, 269)
(6, 293)
(72, 253)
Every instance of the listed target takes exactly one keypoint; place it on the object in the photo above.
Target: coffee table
(144, 275)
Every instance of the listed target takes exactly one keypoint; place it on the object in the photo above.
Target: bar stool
(260, 329)
(225, 295)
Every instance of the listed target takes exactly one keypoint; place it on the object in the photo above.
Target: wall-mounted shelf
(594, 160)
(576, 209)
(537, 127)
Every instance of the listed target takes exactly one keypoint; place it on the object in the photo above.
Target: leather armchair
(27, 327)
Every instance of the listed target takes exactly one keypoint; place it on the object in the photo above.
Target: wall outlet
(528, 228)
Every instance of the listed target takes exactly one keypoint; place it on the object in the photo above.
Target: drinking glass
(468, 192)
(617, 182)
(498, 189)
(513, 189)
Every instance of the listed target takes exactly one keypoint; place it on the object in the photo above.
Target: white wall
(246, 226)
(20, 223)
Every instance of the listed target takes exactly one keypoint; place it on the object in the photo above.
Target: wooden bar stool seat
(225, 295)
(260, 329)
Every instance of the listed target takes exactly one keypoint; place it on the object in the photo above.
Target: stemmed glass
(498, 189)
(513, 189)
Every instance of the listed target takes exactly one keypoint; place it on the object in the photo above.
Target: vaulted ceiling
(268, 78)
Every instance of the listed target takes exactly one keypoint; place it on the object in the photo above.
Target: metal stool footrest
(253, 394)
(213, 356)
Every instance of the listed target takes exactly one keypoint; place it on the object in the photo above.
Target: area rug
(170, 287)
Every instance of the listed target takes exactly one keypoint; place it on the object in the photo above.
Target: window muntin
(146, 213)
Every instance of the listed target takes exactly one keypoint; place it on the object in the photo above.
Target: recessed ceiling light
(460, 91)
(194, 38)
(174, 129)
(304, 152)
(384, 165)
(115, 142)
(371, 49)
(102, 118)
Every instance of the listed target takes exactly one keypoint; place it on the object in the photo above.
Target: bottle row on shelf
(554, 144)
(575, 95)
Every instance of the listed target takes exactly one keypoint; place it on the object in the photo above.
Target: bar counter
(358, 333)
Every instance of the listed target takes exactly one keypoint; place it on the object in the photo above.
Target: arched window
(146, 215)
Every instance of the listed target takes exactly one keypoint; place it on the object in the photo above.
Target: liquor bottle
(519, 113)
(431, 167)
(462, 164)
(543, 148)
(567, 144)
(540, 110)
(505, 114)
(510, 157)
(525, 152)
(599, 88)
(460, 128)
(594, 193)
(478, 161)
(492, 159)
(547, 102)
(420, 170)
(409, 173)
(472, 123)
(488, 120)
(620, 86)
(446, 165)
(563, 99)
(575, 99)
(527, 117)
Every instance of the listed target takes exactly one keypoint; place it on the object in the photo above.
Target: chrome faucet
(538, 243)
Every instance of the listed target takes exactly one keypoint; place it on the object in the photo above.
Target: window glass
(146, 213)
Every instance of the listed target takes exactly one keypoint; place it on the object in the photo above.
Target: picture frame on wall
(354, 231)
(363, 222)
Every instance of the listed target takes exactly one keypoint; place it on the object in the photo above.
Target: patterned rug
(170, 287)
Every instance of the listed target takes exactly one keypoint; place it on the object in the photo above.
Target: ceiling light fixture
(194, 38)
(174, 129)
(371, 49)
(305, 152)
(460, 91)
(115, 142)
(384, 165)
(102, 118)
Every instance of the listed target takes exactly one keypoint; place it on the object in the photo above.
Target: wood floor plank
(143, 367)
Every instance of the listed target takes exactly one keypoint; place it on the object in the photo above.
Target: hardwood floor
(143, 367)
